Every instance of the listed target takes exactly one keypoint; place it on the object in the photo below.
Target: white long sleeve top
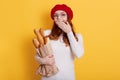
(64, 56)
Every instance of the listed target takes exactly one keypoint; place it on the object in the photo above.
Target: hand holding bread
(42, 44)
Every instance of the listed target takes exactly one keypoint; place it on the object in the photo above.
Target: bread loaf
(36, 43)
(39, 37)
(42, 44)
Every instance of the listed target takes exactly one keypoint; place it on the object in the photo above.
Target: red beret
(64, 8)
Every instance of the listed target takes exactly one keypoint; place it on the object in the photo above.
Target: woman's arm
(76, 46)
(49, 60)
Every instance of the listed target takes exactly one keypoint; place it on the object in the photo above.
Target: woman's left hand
(64, 26)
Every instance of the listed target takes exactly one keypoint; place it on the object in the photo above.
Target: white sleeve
(76, 46)
(47, 32)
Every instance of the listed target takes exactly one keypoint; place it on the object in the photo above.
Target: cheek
(65, 19)
(55, 18)
(55, 22)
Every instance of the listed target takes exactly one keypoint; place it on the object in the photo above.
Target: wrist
(70, 32)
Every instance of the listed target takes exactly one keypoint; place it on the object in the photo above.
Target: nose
(59, 18)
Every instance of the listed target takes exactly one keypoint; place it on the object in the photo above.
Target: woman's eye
(63, 14)
(55, 15)
(59, 15)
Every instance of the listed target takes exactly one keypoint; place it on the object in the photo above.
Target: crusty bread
(44, 48)
(41, 32)
(46, 40)
(39, 37)
(36, 43)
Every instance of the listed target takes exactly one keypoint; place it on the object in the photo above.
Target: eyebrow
(61, 12)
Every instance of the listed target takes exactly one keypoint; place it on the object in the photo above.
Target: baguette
(43, 46)
(39, 37)
(46, 40)
(36, 43)
(42, 32)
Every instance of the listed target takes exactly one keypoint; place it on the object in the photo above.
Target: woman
(66, 44)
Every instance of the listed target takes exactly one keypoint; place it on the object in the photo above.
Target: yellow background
(97, 20)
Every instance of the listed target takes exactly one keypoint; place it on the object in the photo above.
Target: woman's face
(60, 16)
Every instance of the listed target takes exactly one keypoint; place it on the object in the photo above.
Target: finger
(50, 55)
(67, 23)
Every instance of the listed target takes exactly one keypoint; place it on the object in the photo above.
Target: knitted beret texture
(63, 7)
